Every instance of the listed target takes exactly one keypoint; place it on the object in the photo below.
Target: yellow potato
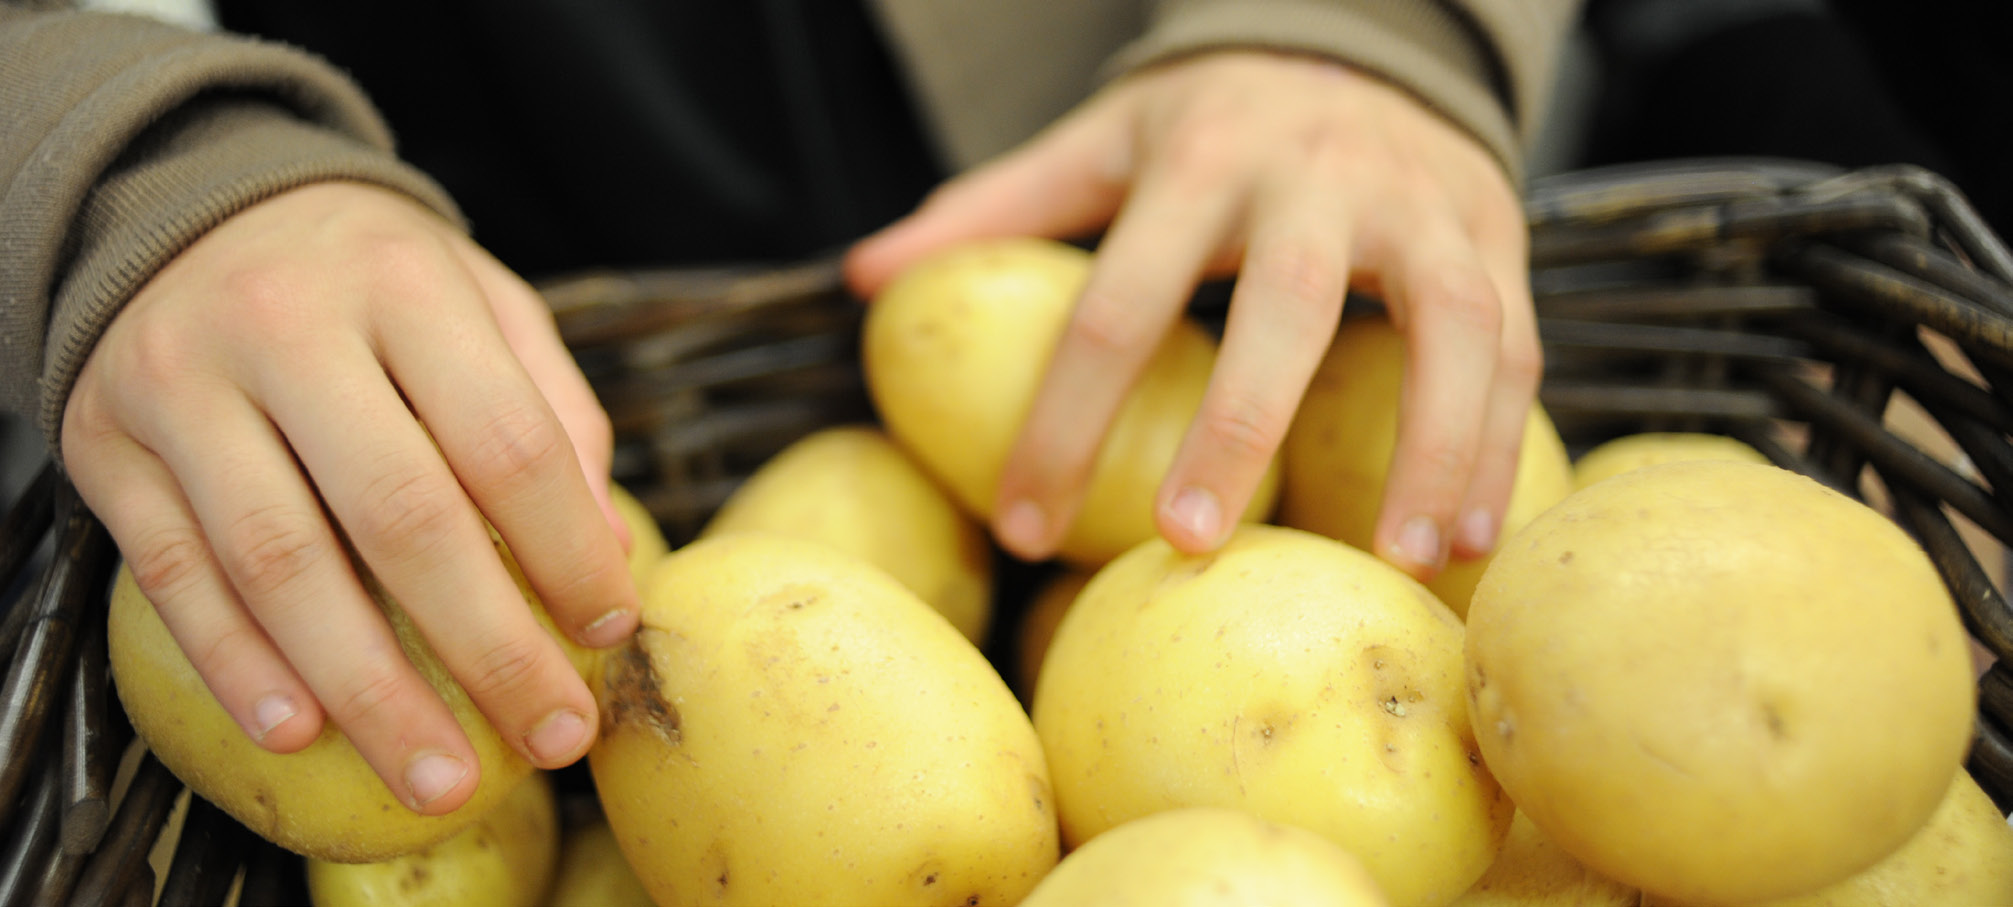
(1619, 455)
(647, 544)
(323, 801)
(593, 872)
(1288, 675)
(852, 488)
(1963, 856)
(1207, 857)
(1337, 455)
(793, 726)
(1037, 626)
(955, 348)
(1534, 872)
(503, 860)
(1719, 681)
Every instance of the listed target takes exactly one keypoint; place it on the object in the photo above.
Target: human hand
(1306, 178)
(266, 381)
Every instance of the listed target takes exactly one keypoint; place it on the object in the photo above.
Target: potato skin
(852, 488)
(505, 859)
(323, 801)
(1532, 871)
(1203, 856)
(793, 726)
(1619, 455)
(955, 348)
(1719, 681)
(1288, 675)
(1337, 454)
(1963, 856)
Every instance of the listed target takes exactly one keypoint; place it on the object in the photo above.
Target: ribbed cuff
(122, 140)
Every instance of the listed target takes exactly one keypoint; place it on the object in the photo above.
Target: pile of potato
(1690, 678)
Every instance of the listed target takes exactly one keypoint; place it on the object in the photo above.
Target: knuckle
(409, 511)
(1248, 430)
(1310, 281)
(166, 561)
(1444, 469)
(400, 259)
(1205, 150)
(504, 669)
(1464, 296)
(366, 696)
(1106, 328)
(268, 303)
(226, 651)
(518, 446)
(270, 549)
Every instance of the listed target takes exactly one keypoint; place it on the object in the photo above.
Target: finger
(1063, 184)
(412, 522)
(274, 543)
(132, 491)
(1447, 307)
(527, 327)
(1519, 369)
(1144, 272)
(1283, 313)
(516, 460)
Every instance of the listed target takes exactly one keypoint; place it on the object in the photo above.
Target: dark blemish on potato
(1773, 718)
(630, 693)
(1565, 557)
(972, 901)
(414, 879)
(793, 597)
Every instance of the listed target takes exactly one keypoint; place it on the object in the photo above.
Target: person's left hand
(1306, 178)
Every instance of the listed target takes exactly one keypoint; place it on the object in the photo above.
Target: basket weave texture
(1856, 326)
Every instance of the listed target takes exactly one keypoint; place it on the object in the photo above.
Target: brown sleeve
(122, 140)
(1488, 65)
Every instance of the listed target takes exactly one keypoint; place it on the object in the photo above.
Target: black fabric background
(579, 133)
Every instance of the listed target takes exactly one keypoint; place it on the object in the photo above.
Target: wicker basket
(1855, 326)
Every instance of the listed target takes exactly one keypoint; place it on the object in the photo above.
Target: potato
(593, 872)
(1963, 856)
(505, 859)
(1534, 872)
(1288, 675)
(1719, 681)
(323, 801)
(647, 544)
(852, 488)
(1037, 627)
(955, 348)
(1207, 857)
(1337, 455)
(1619, 455)
(793, 726)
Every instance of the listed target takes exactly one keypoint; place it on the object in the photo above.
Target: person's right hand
(265, 383)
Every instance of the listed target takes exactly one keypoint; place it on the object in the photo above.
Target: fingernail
(1022, 527)
(1197, 511)
(431, 775)
(606, 630)
(271, 712)
(1419, 542)
(1478, 530)
(557, 738)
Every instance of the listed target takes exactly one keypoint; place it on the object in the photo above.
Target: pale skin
(260, 384)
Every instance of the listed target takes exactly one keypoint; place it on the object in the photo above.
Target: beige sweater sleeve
(1487, 65)
(122, 140)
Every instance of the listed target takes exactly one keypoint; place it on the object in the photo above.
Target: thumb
(1063, 183)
